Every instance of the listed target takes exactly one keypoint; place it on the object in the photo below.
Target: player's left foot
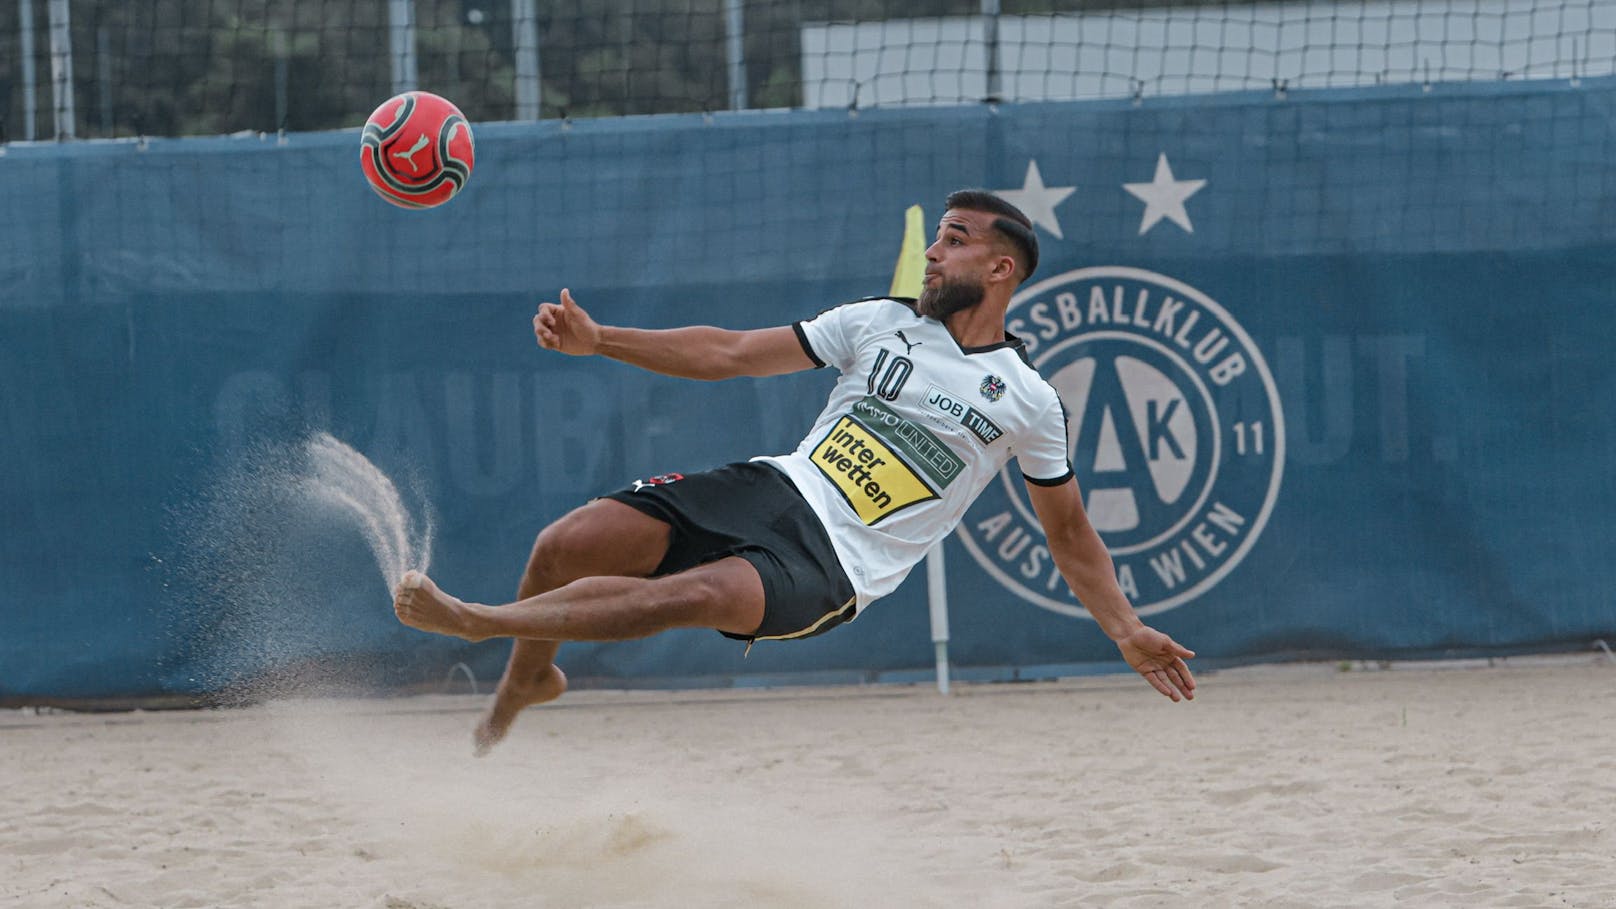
(514, 695)
(419, 603)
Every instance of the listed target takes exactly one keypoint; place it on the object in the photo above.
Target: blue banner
(1336, 366)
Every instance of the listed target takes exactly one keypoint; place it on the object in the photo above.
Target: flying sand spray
(266, 566)
(339, 475)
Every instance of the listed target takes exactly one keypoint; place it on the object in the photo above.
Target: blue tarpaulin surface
(1337, 366)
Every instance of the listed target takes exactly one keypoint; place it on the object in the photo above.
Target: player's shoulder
(1015, 354)
(872, 305)
(1027, 373)
(905, 301)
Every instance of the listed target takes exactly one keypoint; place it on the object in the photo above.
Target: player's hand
(1160, 659)
(566, 327)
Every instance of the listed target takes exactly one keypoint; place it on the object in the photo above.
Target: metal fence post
(61, 44)
(735, 53)
(282, 51)
(30, 83)
(525, 32)
(990, 38)
(103, 77)
(401, 43)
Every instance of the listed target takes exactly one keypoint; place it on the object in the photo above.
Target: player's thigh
(726, 594)
(602, 537)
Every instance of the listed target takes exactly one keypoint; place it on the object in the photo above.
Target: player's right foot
(512, 697)
(419, 603)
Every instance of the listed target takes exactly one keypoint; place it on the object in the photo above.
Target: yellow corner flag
(911, 268)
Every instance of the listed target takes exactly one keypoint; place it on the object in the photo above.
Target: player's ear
(1004, 268)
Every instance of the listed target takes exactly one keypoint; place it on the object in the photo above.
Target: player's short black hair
(1015, 226)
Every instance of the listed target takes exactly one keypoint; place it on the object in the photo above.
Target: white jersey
(914, 430)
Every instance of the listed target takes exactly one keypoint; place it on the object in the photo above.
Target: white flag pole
(937, 598)
(907, 278)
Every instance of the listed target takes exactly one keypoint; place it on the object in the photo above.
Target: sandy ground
(1287, 786)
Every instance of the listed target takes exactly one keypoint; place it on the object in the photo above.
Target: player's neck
(979, 326)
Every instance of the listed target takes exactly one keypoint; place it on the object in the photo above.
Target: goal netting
(105, 68)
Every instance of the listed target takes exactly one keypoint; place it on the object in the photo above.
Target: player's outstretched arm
(697, 352)
(1088, 570)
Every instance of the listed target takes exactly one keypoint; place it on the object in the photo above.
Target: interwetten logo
(881, 462)
(1175, 433)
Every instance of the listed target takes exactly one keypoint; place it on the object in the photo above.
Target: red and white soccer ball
(417, 150)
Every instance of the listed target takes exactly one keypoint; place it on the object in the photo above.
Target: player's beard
(946, 297)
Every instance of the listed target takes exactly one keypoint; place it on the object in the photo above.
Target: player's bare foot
(419, 603)
(513, 696)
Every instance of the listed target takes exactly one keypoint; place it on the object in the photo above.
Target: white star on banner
(1036, 200)
(1164, 197)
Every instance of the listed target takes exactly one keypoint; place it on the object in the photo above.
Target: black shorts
(752, 510)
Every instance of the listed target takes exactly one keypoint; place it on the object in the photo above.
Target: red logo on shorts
(658, 480)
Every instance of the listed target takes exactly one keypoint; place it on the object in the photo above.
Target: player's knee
(558, 551)
(601, 538)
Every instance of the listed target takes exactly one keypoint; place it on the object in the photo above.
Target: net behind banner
(101, 68)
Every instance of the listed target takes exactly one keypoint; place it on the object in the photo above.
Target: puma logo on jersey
(908, 345)
(659, 480)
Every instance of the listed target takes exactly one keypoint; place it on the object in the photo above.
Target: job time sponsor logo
(958, 411)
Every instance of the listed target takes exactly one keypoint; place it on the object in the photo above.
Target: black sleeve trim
(1058, 481)
(802, 338)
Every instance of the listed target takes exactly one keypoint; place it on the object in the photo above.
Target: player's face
(957, 264)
